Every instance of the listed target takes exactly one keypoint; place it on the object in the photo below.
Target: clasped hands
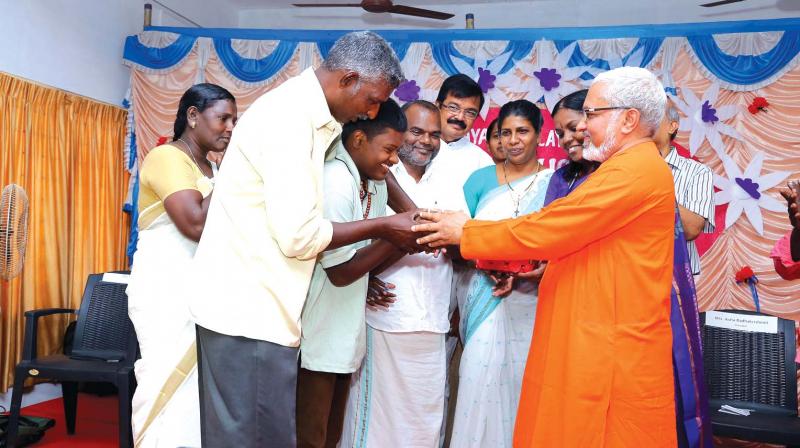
(445, 228)
(424, 230)
(439, 228)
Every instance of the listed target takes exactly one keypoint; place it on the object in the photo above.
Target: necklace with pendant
(516, 198)
(191, 154)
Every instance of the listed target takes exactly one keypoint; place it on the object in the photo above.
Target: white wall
(77, 45)
(528, 14)
(207, 14)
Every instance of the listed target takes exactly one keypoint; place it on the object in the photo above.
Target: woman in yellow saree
(176, 181)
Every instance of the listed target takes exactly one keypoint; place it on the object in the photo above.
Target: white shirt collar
(673, 158)
(400, 170)
(460, 143)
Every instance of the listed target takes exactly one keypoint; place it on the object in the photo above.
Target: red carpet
(95, 423)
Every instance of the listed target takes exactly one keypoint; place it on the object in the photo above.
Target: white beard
(607, 149)
(601, 153)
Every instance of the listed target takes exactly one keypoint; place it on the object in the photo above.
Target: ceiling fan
(720, 3)
(382, 6)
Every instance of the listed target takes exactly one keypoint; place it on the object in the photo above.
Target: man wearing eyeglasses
(460, 100)
(599, 372)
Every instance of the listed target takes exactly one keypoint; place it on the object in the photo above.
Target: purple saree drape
(691, 398)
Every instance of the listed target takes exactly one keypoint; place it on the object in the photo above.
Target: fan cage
(13, 230)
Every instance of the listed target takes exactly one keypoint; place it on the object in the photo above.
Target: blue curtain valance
(254, 70)
(158, 58)
(745, 69)
(443, 52)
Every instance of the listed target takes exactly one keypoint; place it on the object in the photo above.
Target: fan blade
(327, 5)
(419, 12)
(719, 3)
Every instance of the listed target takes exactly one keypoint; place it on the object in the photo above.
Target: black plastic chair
(752, 370)
(104, 350)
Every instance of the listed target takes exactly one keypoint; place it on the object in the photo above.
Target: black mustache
(457, 122)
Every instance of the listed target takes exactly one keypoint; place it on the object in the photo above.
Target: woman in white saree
(176, 181)
(496, 324)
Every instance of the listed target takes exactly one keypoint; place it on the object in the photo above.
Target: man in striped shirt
(694, 188)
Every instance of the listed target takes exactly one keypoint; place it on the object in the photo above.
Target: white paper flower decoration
(417, 73)
(487, 75)
(704, 120)
(745, 192)
(550, 76)
(412, 89)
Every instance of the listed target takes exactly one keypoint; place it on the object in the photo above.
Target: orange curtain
(66, 152)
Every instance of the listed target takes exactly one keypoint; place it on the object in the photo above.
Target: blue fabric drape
(158, 58)
(400, 48)
(133, 209)
(745, 69)
(651, 46)
(739, 70)
(324, 47)
(443, 51)
(254, 70)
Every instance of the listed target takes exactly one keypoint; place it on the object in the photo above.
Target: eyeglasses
(590, 112)
(455, 110)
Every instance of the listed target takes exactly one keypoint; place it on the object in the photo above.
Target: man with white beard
(599, 372)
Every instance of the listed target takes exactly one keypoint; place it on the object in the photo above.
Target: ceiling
(259, 4)
(277, 14)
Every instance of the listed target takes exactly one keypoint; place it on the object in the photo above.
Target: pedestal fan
(13, 230)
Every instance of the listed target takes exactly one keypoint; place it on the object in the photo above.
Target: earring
(192, 124)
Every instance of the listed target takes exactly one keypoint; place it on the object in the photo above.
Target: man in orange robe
(599, 371)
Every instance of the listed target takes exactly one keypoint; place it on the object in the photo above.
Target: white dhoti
(397, 396)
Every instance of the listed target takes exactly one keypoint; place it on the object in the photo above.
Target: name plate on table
(112, 277)
(742, 322)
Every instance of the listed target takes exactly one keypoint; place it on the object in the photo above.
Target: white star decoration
(488, 76)
(550, 77)
(704, 120)
(746, 192)
(634, 60)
